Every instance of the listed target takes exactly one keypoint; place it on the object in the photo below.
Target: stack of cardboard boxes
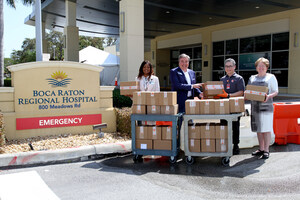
(148, 134)
(207, 137)
(211, 137)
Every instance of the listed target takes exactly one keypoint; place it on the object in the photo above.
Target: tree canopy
(54, 46)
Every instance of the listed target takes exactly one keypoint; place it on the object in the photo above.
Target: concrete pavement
(61, 155)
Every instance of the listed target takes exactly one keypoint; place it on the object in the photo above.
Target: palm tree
(12, 4)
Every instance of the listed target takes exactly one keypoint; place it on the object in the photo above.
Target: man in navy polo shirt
(234, 86)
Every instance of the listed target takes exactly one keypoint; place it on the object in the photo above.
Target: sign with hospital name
(57, 121)
(57, 89)
(57, 99)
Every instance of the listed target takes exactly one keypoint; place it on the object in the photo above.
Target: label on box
(207, 126)
(165, 94)
(143, 146)
(152, 94)
(139, 94)
(207, 103)
(192, 103)
(128, 87)
(222, 141)
(154, 131)
(222, 127)
(192, 142)
(153, 108)
(168, 108)
(214, 87)
(255, 92)
(168, 129)
(194, 127)
(141, 129)
(207, 142)
(221, 103)
(236, 102)
(138, 107)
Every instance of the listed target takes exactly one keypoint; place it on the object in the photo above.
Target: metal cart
(176, 124)
(225, 155)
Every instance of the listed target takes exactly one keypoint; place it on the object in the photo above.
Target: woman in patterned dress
(262, 112)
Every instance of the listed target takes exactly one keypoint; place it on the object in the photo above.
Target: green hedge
(120, 101)
(123, 120)
(7, 82)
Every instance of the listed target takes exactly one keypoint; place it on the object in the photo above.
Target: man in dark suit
(183, 81)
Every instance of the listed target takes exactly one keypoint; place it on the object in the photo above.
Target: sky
(15, 31)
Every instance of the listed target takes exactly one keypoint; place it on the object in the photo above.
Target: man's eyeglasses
(228, 66)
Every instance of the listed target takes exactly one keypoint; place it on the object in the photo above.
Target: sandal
(258, 152)
(265, 155)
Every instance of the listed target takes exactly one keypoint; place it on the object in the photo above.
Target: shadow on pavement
(240, 166)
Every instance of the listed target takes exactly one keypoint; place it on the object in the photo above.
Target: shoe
(265, 155)
(236, 150)
(258, 152)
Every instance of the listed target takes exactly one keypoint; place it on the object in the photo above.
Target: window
(245, 51)
(195, 64)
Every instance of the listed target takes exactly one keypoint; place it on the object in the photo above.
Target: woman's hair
(263, 60)
(141, 73)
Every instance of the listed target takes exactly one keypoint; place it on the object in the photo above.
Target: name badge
(228, 86)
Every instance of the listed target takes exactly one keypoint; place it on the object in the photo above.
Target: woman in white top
(262, 112)
(148, 82)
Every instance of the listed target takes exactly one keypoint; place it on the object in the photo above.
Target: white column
(71, 33)
(38, 31)
(131, 38)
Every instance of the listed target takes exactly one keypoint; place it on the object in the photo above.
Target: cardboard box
(162, 144)
(153, 110)
(138, 109)
(139, 98)
(221, 145)
(129, 87)
(141, 132)
(256, 93)
(194, 131)
(207, 131)
(212, 88)
(169, 110)
(192, 107)
(167, 98)
(207, 107)
(208, 145)
(166, 132)
(143, 144)
(154, 132)
(236, 105)
(221, 106)
(221, 131)
(152, 98)
(194, 145)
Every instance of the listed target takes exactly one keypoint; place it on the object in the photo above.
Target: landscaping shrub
(7, 82)
(2, 137)
(123, 120)
(120, 101)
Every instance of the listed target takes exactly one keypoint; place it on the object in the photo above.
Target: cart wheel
(189, 160)
(225, 161)
(138, 158)
(172, 159)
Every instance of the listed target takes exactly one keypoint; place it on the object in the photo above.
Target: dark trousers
(235, 130)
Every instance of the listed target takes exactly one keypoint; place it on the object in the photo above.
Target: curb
(81, 153)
